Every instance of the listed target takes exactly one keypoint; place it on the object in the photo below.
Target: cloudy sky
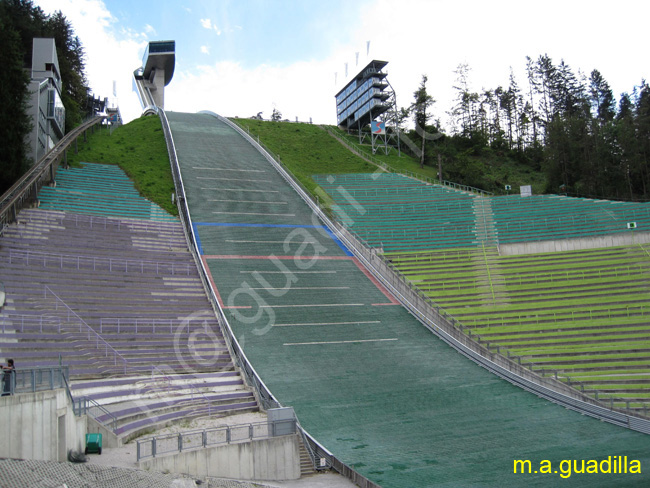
(241, 57)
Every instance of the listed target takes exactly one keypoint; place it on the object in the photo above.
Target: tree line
(568, 125)
(20, 23)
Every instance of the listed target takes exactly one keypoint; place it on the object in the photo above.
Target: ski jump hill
(367, 380)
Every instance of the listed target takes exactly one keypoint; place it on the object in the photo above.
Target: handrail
(111, 261)
(90, 330)
(84, 406)
(411, 174)
(69, 393)
(201, 439)
(124, 323)
(31, 380)
(27, 187)
(80, 406)
(30, 319)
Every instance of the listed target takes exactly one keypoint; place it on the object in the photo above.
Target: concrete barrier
(273, 459)
(560, 245)
(40, 426)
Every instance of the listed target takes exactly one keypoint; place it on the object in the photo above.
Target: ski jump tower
(157, 70)
(368, 99)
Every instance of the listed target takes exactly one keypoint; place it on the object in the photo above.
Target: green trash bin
(93, 443)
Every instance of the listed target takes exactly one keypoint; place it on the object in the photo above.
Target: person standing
(8, 377)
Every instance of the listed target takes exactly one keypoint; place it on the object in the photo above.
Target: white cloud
(415, 36)
(207, 24)
(229, 89)
(422, 37)
(110, 55)
(149, 29)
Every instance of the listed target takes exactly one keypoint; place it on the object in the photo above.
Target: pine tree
(14, 122)
(71, 62)
(602, 98)
(21, 22)
(421, 115)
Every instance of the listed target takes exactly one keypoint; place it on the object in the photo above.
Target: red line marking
(214, 286)
(242, 256)
(379, 286)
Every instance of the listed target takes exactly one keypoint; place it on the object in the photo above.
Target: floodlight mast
(368, 99)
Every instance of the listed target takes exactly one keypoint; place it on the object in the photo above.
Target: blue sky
(241, 57)
(252, 32)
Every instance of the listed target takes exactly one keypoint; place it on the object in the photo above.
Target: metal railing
(141, 325)
(32, 380)
(25, 190)
(88, 406)
(23, 322)
(410, 174)
(91, 336)
(98, 221)
(112, 265)
(43, 379)
(200, 439)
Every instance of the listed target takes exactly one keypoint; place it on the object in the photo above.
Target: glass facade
(365, 93)
(158, 47)
(56, 110)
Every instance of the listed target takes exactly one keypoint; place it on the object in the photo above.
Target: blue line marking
(198, 238)
(339, 243)
(226, 224)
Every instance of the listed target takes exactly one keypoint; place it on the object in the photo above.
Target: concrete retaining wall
(40, 426)
(622, 239)
(274, 459)
(109, 439)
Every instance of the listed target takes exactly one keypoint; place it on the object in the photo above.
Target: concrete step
(115, 391)
(306, 463)
(137, 428)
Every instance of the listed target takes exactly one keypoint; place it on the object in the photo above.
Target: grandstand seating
(394, 212)
(544, 217)
(581, 315)
(398, 213)
(99, 189)
(575, 314)
(120, 301)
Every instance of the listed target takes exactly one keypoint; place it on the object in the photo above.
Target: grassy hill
(307, 149)
(139, 149)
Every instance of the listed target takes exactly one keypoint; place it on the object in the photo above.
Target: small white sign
(526, 191)
(631, 225)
